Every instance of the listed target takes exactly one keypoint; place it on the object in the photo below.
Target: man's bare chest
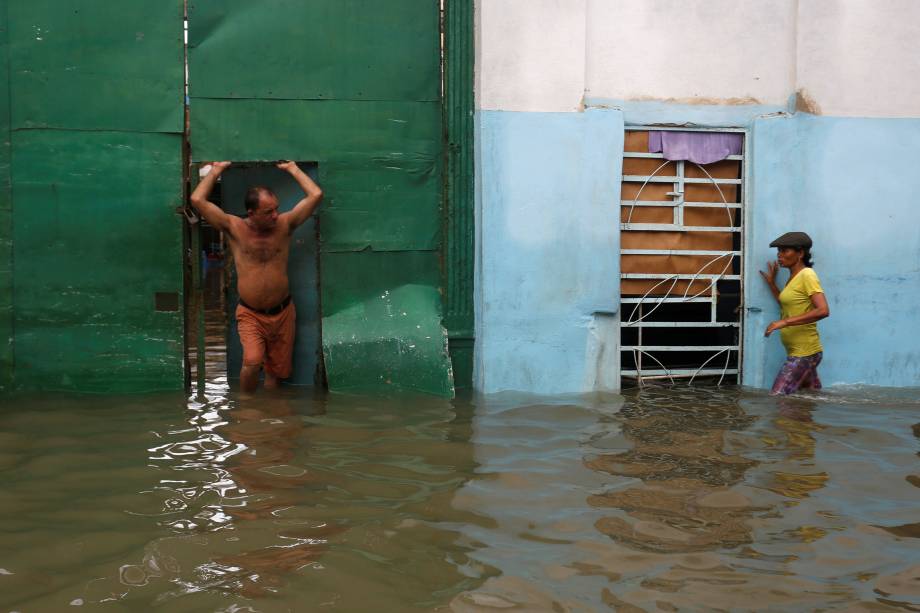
(255, 249)
(263, 253)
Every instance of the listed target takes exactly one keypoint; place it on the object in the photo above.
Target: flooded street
(443, 233)
(657, 500)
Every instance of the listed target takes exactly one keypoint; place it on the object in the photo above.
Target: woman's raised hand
(770, 275)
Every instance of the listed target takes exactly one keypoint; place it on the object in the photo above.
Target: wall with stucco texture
(691, 51)
(846, 57)
(850, 184)
(816, 84)
(548, 266)
(860, 58)
(530, 55)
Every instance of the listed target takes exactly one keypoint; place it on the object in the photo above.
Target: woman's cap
(793, 239)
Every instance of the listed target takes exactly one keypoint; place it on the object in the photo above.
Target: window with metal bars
(681, 263)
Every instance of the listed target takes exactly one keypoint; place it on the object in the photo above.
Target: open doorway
(218, 295)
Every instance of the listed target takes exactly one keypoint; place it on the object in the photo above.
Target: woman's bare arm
(820, 311)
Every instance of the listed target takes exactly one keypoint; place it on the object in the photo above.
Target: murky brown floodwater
(660, 500)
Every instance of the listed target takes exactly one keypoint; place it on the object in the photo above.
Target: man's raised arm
(210, 211)
(303, 209)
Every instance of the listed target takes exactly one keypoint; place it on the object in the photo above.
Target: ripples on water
(658, 500)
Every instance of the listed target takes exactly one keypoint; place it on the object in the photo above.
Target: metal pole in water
(198, 283)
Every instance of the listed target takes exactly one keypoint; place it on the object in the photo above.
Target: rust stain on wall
(805, 103)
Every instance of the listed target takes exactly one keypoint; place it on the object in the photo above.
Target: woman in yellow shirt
(802, 303)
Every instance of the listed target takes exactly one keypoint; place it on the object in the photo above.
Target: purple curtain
(699, 147)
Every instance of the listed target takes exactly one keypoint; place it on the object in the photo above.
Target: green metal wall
(6, 211)
(95, 92)
(355, 86)
(91, 132)
(459, 222)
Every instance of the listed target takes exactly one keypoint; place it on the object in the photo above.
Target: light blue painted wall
(548, 189)
(853, 185)
(548, 240)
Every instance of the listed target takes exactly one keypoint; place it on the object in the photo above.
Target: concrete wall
(859, 58)
(847, 57)
(697, 52)
(548, 266)
(530, 55)
(828, 93)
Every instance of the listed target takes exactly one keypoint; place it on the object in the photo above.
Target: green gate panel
(6, 273)
(343, 130)
(96, 117)
(382, 323)
(379, 162)
(96, 237)
(97, 64)
(315, 49)
(385, 205)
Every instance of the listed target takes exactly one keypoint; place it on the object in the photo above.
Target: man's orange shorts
(268, 339)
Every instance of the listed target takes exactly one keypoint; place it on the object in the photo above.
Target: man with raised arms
(260, 243)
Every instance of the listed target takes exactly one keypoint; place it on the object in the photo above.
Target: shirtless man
(260, 243)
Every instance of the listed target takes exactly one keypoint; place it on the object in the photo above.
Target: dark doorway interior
(303, 266)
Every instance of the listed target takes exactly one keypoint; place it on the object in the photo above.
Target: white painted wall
(694, 51)
(530, 55)
(852, 57)
(860, 58)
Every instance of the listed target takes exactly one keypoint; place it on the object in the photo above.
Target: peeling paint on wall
(702, 100)
(700, 52)
(805, 103)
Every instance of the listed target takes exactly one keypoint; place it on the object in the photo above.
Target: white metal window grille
(681, 261)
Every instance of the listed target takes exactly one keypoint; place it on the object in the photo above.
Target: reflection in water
(288, 501)
(686, 502)
(703, 500)
(323, 490)
(794, 420)
(265, 439)
(661, 499)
